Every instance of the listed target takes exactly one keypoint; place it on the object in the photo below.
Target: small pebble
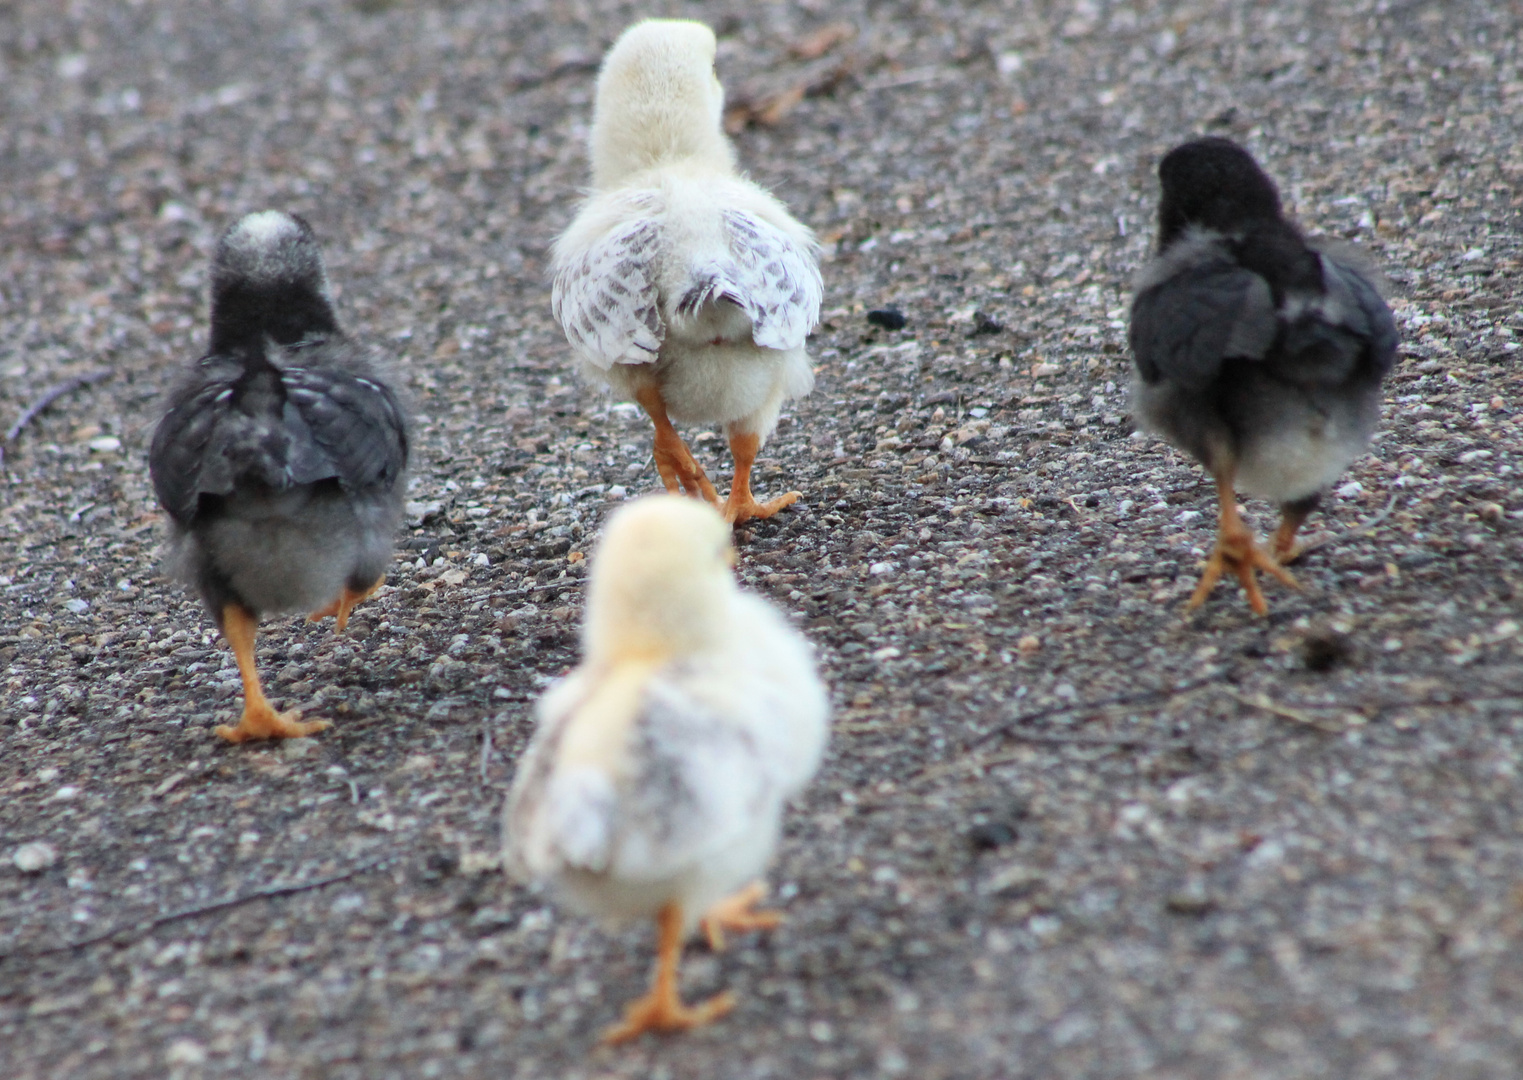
(890, 318)
(35, 857)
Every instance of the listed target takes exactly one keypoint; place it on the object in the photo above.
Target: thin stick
(1262, 701)
(1011, 727)
(1356, 530)
(50, 395)
(148, 926)
(486, 752)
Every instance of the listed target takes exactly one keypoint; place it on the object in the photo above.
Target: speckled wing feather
(777, 281)
(700, 783)
(1210, 309)
(694, 783)
(606, 301)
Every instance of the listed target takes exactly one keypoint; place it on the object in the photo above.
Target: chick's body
(681, 284)
(658, 773)
(280, 457)
(1258, 352)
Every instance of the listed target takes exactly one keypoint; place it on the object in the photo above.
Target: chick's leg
(1292, 516)
(662, 1009)
(738, 913)
(1237, 551)
(345, 604)
(259, 721)
(742, 506)
(674, 461)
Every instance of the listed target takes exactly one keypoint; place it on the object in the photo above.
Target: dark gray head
(1215, 184)
(268, 281)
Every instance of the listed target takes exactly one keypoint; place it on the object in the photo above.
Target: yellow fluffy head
(658, 101)
(661, 581)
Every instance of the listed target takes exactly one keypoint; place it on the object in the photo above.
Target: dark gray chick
(1258, 352)
(280, 457)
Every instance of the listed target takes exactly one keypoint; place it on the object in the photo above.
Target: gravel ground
(1062, 830)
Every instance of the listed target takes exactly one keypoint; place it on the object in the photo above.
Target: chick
(682, 285)
(1258, 351)
(659, 768)
(280, 457)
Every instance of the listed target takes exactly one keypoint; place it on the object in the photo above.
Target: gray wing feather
(1183, 327)
(607, 301)
(323, 423)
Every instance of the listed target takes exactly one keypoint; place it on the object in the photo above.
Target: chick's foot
(738, 913)
(260, 721)
(658, 1011)
(680, 472)
(1236, 550)
(346, 602)
(742, 505)
(662, 1009)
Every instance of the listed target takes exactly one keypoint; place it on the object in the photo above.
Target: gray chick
(1259, 352)
(280, 457)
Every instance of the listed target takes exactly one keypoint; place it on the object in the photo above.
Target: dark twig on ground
(141, 929)
(48, 396)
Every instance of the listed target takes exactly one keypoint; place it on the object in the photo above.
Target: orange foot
(680, 471)
(662, 1009)
(260, 721)
(1242, 556)
(738, 913)
(664, 1012)
(736, 512)
(344, 605)
(742, 505)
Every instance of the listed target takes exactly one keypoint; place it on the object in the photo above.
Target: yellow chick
(682, 285)
(655, 782)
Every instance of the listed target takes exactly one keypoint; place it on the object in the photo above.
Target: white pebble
(106, 444)
(77, 605)
(1351, 490)
(65, 793)
(35, 857)
(185, 1052)
(880, 568)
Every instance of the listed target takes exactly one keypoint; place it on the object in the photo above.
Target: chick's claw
(657, 1011)
(263, 722)
(1242, 556)
(738, 511)
(739, 914)
(346, 602)
(680, 471)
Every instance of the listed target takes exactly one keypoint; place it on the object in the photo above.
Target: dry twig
(142, 929)
(48, 396)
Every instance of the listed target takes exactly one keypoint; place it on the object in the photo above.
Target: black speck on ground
(1229, 861)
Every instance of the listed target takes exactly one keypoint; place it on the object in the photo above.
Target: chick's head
(1215, 184)
(268, 279)
(659, 101)
(661, 581)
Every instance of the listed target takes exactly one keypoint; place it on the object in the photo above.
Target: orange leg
(662, 1009)
(674, 461)
(260, 721)
(1236, 550)
(738, 913)
(742, 506)
(1292, 516)
(345, 604)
